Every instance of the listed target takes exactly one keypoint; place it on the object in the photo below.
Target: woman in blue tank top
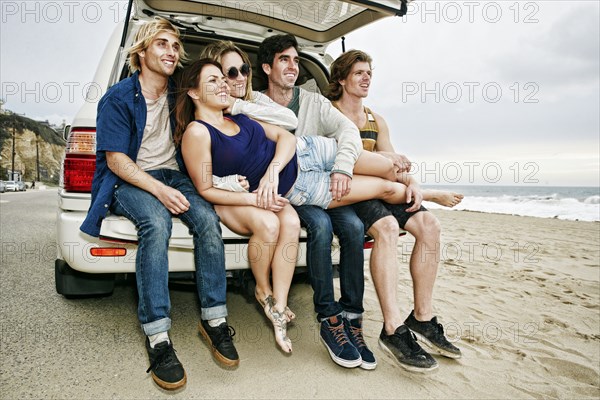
(280, 170)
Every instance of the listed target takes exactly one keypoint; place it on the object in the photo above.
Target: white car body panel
(223, 18)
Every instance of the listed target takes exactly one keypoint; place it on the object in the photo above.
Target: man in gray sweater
(341, 321)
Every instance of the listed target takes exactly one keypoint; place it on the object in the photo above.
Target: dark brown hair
(184, 106)
(271, 46)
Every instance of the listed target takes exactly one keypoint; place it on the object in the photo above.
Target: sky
(474, 92)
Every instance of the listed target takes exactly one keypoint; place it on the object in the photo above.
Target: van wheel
(74, 284)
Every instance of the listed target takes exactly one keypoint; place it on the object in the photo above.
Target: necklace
(155, 95)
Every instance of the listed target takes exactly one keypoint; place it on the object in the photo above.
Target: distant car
(2, 187)
(15, 186)
(11, 186)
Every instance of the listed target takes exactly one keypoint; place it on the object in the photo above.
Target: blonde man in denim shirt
(139, 175)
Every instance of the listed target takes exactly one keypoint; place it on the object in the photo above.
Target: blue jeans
(320, 225)
(153, 222)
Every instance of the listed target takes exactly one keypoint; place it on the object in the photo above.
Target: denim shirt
(120, 127)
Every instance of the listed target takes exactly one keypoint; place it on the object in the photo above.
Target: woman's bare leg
(283, 266)
(442, 197)
(370, 187)
(373, 164)
(263, 226)
(285, 254)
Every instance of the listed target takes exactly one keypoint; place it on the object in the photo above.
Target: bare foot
(443, 198)
(262, 300)
(279, 320)
(289, 314)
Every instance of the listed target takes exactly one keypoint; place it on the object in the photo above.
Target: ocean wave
(544, 206)
(592, 200)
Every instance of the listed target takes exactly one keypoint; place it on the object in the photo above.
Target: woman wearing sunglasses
(238, 73)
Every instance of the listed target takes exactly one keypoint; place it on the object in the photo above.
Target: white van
(86, 265)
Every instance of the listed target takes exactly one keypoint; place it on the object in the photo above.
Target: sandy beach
(520, 296)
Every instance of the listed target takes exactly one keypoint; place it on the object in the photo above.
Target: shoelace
(437, 331)
(339, 334)
(358, 336)
(411, 340)
(165, 356)
(224, 334)
(440, 328)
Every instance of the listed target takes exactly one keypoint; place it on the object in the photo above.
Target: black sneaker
(335, 338)
(431, 334)
(219, 338)
(167, 371)
(355, 334)
(405, 349)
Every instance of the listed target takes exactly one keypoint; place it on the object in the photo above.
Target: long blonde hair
(216, 50)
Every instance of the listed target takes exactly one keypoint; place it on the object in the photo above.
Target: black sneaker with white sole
(406, 351)
(431, 334)
(167, 371)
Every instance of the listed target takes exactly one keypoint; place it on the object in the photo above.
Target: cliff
(51, 148)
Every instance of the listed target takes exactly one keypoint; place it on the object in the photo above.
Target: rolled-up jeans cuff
(158, 326)
(350, 315)
(213, 312)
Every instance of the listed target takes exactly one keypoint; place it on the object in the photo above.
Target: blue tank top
(247, 153)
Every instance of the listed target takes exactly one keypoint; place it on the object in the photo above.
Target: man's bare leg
(424, 261)
(384, 270)
(395, 338)
(423, 265)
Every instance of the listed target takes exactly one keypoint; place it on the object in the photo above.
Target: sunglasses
(233, 72)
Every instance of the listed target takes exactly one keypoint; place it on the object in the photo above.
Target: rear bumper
(74, 246)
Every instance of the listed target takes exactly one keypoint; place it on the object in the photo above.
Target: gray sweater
(317, 117)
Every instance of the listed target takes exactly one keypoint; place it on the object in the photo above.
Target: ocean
(562, 202)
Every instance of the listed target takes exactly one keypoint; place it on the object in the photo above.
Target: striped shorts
(316, 158)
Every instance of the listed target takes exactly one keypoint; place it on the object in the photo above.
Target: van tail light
(80, 160)
(108, 252)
